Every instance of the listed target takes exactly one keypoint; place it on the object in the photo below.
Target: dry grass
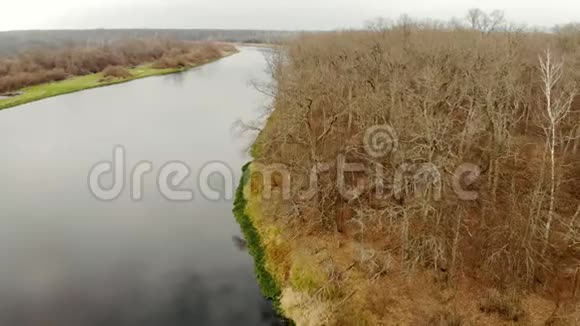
(446, 318)
(506, 305)
(454, 96)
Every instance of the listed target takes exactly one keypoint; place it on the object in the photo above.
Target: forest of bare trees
(502, 100)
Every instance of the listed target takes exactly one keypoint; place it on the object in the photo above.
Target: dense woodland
(499, 98)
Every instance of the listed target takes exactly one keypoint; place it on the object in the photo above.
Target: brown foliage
(45, 65)
(116, 72)
(506, 305)
(182, 58)
(453, 96)
(24, 79)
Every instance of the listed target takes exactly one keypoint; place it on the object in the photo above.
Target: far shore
(255, 45)
(79, 83)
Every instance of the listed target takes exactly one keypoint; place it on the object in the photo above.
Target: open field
(470, 212)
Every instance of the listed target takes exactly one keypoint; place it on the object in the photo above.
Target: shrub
(24, 79)
(56, 74)
(116, 72)
(173, 61)
(446, 318)
(166, 62)
(210, 50)
(506, 305)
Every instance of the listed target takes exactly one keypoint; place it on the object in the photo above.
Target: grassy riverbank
(79, 83)
(245, 219)
(292, 272)
(247, 210)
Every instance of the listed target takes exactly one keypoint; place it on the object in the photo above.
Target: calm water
(70, 259)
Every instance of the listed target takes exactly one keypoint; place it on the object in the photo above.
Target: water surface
(70, 259)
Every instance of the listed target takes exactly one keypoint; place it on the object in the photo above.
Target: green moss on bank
(79, 83)
(306, 277)
(267, 283)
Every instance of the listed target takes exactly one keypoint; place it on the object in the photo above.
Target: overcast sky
(261, 14)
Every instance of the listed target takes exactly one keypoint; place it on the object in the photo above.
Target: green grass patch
(267, 283)
(306, 277)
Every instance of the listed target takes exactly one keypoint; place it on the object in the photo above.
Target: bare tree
(475, 17)
(496, 20)
(378, 24)
(557, 107)
(486, 22)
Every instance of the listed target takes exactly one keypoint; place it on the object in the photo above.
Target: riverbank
(80, 83)
(293, 272)
(268, 285)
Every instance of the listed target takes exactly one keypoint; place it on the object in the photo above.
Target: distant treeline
(14, 42)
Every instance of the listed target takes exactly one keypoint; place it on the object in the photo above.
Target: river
(68, 258)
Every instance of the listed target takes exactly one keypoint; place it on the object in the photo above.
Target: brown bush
(225, 47)
(172, 61)
(24, 79)
(180, 57)
(210, 50)
(507, 305)
(116, 72)
(56, 74)
(164, 62)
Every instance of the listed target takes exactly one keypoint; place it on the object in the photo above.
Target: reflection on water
(69, 259)
(240, 243)
(184, 299)
(177, 79)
